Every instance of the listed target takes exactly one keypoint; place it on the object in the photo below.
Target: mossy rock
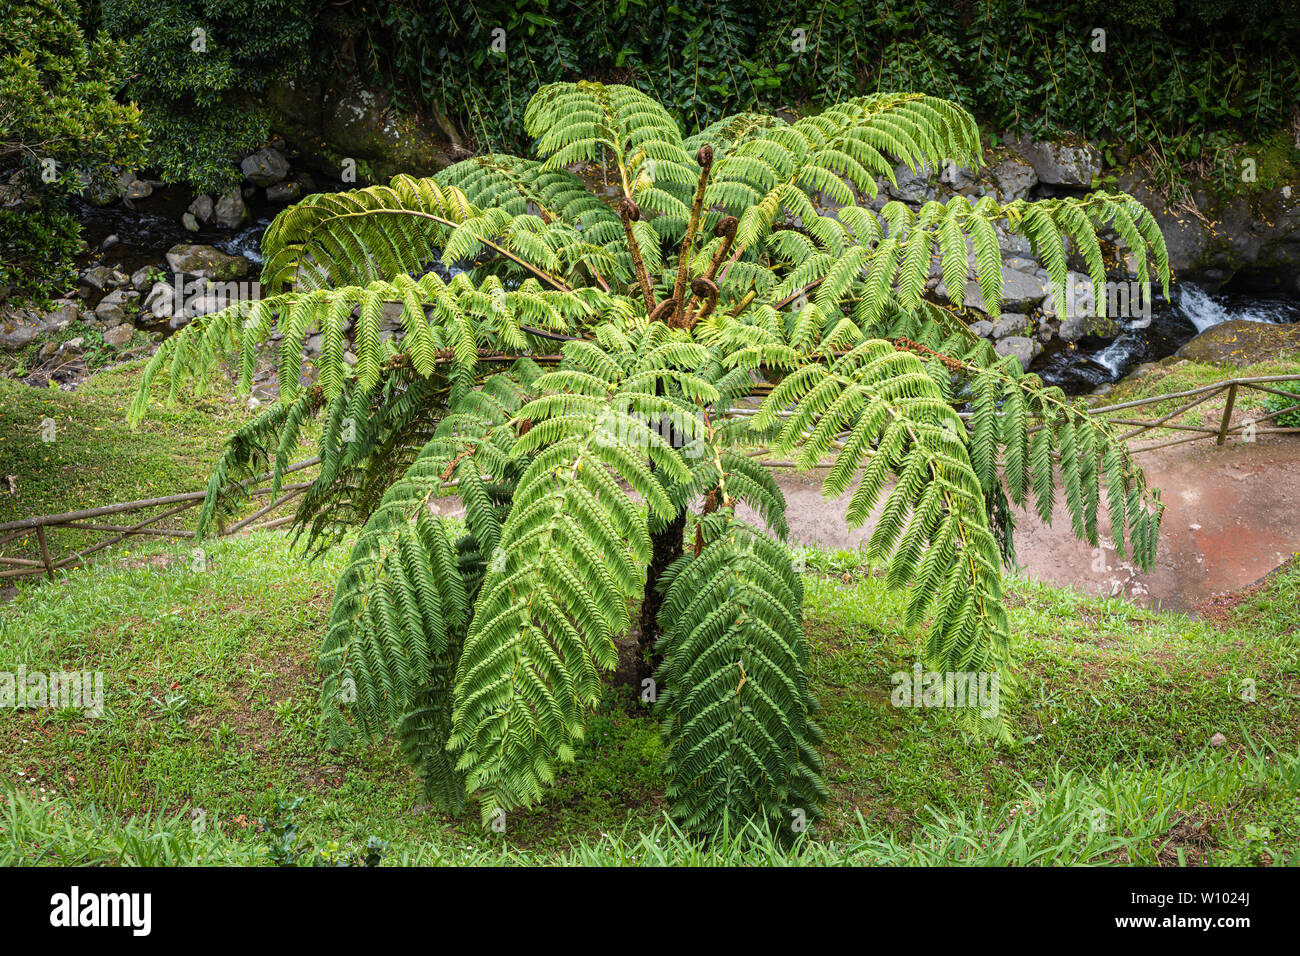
(1241, 343)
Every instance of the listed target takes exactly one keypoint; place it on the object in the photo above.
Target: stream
(1173, 323)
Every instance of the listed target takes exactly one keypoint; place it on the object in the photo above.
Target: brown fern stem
(705, 158)
(629, 212)
(726, 231)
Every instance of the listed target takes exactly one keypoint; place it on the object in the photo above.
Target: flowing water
(1095, 362)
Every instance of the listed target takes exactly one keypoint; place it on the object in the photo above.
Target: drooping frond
(932, 533)
(405, 597)
(356, 237)
(735, 705)
(572, 555)
(1024, 433)
(249, 452)
(430, 324)
(522, 186)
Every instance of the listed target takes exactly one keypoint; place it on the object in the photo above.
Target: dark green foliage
(38, 247)
(60, 128)
(1180, 79)
(200, 104)
(1290, 417)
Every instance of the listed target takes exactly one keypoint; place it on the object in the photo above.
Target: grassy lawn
(94, 457)
(208, 749)
(210, 726)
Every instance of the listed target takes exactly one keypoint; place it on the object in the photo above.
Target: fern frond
(735, 703)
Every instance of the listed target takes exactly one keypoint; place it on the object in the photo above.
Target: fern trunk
(667, 548)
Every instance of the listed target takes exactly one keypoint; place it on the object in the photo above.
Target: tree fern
(739, 261)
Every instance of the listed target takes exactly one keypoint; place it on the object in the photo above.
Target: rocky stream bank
(157, 257)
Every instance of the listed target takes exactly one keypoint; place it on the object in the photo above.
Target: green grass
(94, 457)
(210, 724)
(211, 728)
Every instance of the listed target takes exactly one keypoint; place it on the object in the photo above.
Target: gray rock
(140, 279)
(137, 189)
(73, 345)
(1020, 292)
(983, 328)
(230, 211)
(202, 208)
(913, 187)
(1082, 316)
(1014, 179)
(1010, 324)
(959, 179)
(189, 222)
(206, 261)
(1012, 244)
(283, 192)
(1019, 264)
(98, 277)
(1240, 342)
(117, 306)
(18, 332)
(266, 167)
(20, 327)
(1026, 350)
(119, 335)
(204, 305)
(1064, 164)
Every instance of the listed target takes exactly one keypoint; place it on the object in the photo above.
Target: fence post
(1227, 414)
(45, 551)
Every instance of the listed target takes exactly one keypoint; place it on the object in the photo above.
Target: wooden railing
(1200, 396)
(121, 527)
(115, 531)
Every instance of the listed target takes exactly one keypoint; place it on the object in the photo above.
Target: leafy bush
(196, 68)
(1276, 403)
(60, 127)
(37, 249)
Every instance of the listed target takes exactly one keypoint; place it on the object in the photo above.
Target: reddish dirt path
(1232, 515)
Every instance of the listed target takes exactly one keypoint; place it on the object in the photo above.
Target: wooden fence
(119, 521)
(1220, 431)
(121, 528)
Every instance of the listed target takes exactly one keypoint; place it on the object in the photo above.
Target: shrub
(60, 127)
(197, 67)
(1275, 403)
